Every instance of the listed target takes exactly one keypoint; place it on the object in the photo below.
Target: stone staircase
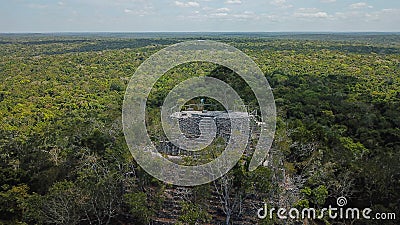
(172, 209)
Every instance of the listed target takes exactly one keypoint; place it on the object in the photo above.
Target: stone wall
(189, 124)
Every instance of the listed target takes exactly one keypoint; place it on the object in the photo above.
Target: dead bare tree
(231, 200)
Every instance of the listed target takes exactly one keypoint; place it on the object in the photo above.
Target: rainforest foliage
(63, 157)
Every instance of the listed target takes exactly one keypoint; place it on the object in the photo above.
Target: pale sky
(199, 15)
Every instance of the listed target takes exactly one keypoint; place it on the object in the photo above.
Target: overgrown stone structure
(192, 122)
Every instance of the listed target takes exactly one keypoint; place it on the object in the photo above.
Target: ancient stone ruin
(192, 122)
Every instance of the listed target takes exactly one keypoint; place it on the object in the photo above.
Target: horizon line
(166, 32)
